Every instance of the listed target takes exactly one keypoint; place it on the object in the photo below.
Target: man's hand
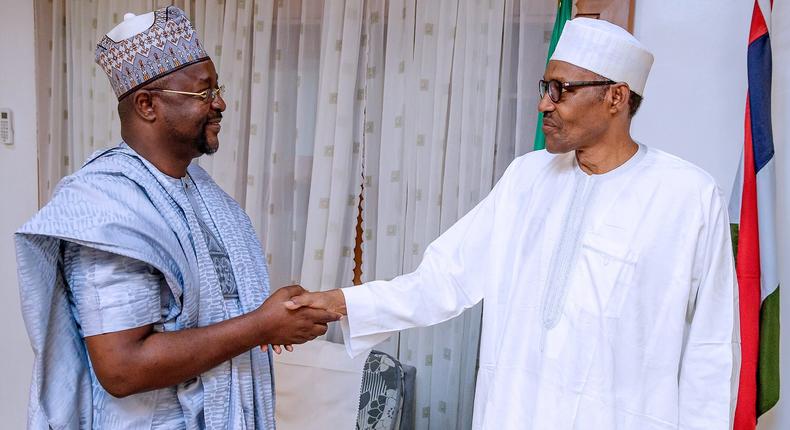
(283, 325)
(332, 301)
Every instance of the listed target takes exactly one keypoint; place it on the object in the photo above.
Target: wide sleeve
(110, 292)
(450, 279)
(710, 364)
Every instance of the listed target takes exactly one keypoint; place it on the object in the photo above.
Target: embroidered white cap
(606, 49)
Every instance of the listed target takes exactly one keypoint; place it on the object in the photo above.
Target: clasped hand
(293, 315)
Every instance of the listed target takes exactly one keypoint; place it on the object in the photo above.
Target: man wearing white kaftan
(610, 300)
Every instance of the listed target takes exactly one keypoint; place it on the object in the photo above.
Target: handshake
(292, 315)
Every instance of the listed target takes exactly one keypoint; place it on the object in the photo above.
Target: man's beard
(202, 144)
(198, 141)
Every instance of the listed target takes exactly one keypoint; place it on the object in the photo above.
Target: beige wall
(696, 93)
(18, 176)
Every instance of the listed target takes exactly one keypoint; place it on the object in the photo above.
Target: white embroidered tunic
(610, 301)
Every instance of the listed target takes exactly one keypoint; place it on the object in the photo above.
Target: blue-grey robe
(120, 203)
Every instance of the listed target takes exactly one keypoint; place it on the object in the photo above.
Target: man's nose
(545, 104)
(218, 103)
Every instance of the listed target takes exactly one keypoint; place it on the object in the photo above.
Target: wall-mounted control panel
(6, 127)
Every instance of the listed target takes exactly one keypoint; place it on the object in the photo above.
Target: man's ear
(144, 105)
(620, 94)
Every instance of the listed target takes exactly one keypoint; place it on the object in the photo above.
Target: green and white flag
(564, 8)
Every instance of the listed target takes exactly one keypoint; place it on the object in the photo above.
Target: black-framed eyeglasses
(555, 88)
(206, 95)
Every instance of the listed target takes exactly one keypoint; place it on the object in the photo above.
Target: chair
(386, 400)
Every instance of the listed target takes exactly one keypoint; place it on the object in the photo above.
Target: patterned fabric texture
(386, 398)
(168, 45)
(119, 203)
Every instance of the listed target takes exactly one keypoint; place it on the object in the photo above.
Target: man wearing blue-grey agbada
(142, 282)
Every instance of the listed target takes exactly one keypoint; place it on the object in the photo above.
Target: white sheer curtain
(458, 108)
(528, 27)
(449, 150)
(309, 117)
(417, 106)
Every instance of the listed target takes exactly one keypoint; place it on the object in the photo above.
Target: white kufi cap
(606, 49)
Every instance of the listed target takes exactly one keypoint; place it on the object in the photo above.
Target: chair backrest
(381, 398)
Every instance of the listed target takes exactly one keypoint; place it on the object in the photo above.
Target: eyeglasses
(555, 88)
(208, 95)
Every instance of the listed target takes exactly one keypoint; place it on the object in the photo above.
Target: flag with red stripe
(756, 246)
